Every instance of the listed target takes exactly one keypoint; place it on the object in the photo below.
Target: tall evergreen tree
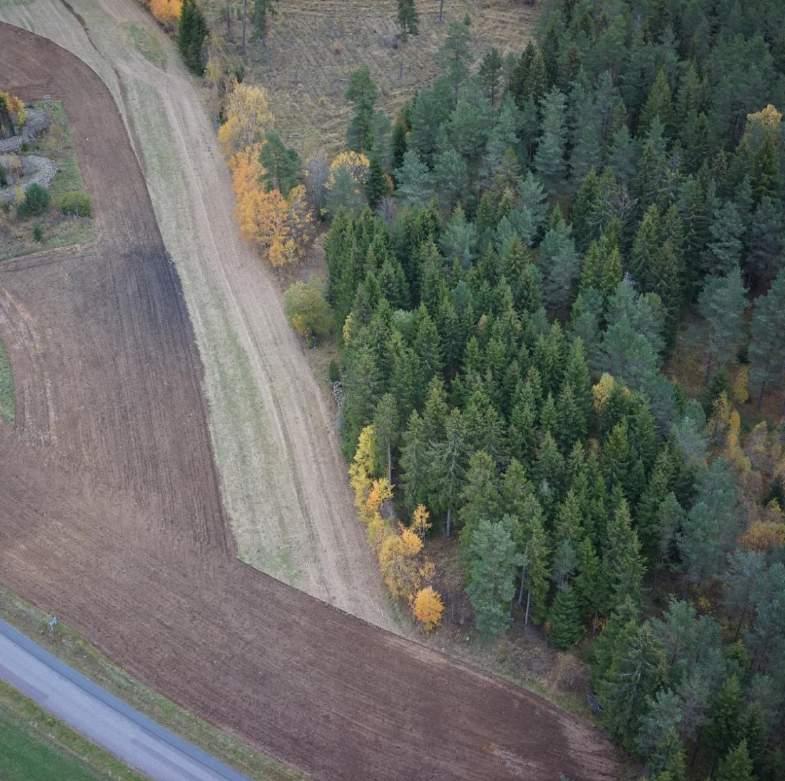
(722, 302)
(408, 18)
(549, 159)
(491, 587)
(191, 33)
(767, 343)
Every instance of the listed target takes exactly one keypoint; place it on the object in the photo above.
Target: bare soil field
(280, 470)
(111, 514)
(314, 45)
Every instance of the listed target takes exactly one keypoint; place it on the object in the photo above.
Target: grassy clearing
(69, 646)
(16, 236)
(314, 45)
(146, 44)
(35, 746)
(7, 395)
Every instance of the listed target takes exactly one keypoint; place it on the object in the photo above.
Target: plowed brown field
(110, 514)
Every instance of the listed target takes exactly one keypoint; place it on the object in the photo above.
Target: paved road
(138, 741)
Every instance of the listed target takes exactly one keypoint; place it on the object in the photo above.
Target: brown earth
(280, 470)
(110, 514)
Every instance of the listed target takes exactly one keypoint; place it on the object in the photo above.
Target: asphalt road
(102, 718)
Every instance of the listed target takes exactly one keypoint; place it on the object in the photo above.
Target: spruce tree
(736, 765)
(191, 33)
(622, 562)
(636, 671)
(722, 302)
(415, 463)
(565, 620)
(767, 343)
(549, 159)
(414, 181)
(560, 263)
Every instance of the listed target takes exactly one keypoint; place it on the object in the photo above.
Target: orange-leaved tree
(428, 608)
(166, 11)
(266, 218)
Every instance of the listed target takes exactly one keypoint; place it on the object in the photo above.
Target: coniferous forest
(536, 237)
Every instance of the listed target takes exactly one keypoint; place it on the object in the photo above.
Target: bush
(3, 177)
(308, 311)
(76, 204)
(38, 234)
(36, 201)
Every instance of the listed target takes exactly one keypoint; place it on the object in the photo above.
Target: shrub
(36, 201)
(3, 177)
(308, 311)
(38, 233)
(76, 204)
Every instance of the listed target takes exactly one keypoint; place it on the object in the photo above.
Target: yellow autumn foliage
(421, 520)
(379, 493)
(740, 390)
(361, 470)
(167, 11)
(248, 118)
(265, 217)
(16, 108)
(764, 536)
(428, 608)
(602, 391)
(355, 162)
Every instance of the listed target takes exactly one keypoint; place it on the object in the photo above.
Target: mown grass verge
(35, 746)
(73, 649)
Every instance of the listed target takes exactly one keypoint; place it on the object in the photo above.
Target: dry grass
(314, 45)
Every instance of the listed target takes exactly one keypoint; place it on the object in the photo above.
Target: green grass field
(34, 746)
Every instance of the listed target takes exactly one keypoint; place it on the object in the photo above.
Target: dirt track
(110, 515)
(281, 474)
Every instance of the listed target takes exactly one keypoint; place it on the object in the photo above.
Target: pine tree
(565, 620)
(362, 94)
(455, 55)
(282, 165)
(262, 10)
(549, 159)
(491, 576)
(408, 18)
(536, 561)
(490, 74)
